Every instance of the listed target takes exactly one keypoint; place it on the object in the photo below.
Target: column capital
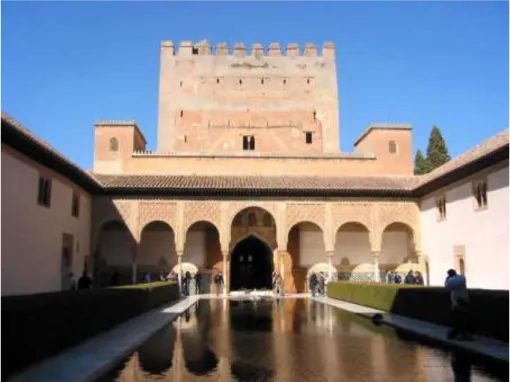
(376, 253)
(330, 253)
(179, 253)
(224, 254)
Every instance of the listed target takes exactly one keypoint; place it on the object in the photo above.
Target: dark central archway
(251, 265)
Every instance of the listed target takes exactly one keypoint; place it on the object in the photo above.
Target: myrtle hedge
(488, 308)
(41, 325)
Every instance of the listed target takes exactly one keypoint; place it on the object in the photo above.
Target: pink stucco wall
(483, 233)
(32, 234)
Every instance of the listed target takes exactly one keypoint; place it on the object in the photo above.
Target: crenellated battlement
(188, 48)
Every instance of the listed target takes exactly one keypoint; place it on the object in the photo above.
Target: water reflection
(287, 340)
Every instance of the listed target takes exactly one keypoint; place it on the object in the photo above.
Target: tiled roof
(284, 184)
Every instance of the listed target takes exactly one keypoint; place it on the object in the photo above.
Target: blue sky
(67, 64)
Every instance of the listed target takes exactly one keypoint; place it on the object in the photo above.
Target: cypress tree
(420, 164)
(437, 152)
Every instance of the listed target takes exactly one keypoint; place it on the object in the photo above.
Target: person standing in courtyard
(85, 281)
(418, 278)
(312, 284)
(322, 284)
(459, 298)
(409, 279)
(198, 278)
(218, 282)
(192, 285)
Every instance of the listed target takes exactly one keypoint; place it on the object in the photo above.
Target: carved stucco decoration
(158, 211)
(389, 213)
(202, 211)
(305, 212)
(344, 213)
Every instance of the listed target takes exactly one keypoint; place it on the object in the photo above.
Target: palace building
(248, 178)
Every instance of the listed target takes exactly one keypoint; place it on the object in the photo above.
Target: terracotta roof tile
(296, 183)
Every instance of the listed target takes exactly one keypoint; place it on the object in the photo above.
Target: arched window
(114, 144)
(392, 147)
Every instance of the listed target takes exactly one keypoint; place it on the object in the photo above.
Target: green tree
(437, 152)
(420, 164)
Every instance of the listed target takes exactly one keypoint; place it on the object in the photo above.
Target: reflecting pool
(288, 340)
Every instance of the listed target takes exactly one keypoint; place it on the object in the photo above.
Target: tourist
(312, 283)
(278, 284)
(218, 282)
(162, 276)
(459, 298)
(389, 277)
(418, 278)
(409, 279)
(322, 284)
(192, 285)
(85, 281)
(185, 283)
(397, 279)
(198, 278)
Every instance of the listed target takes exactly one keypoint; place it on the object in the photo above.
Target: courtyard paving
(92, 358)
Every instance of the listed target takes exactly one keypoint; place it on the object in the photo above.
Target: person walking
(312, 284)
(459, 298)
(218, 282)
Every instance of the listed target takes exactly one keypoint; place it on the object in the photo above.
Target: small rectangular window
(182, 113)
(392, 147)
(480, 193)
(441, 208)
(308, 137)
(75, 209)
(248, 142)
(44, 192)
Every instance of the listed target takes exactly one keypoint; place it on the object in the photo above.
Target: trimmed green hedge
(489, 308)
(41, 325)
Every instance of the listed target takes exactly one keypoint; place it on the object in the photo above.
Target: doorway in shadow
(251, 265)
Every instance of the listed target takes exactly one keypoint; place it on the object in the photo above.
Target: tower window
(217, 80)
(308, 81)
(314, 115)
(480, 193)
(285, 82)
(262, 81)
(194, 50)
(308, 135)
(180, 84)
(240, 82)
(392, 147)
(248, 142)
(114, 144)
(182, 113)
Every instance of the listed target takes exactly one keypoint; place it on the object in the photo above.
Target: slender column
(179, 269)
(375, 254)
(225, 280)
(135, 249)
(329, 256)
(282, 264)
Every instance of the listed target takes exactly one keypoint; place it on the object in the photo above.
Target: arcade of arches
(249, 240)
